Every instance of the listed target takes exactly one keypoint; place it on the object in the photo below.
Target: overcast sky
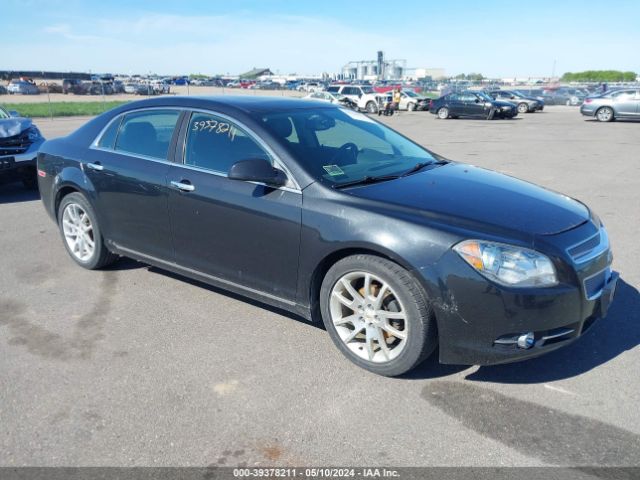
(495, 38)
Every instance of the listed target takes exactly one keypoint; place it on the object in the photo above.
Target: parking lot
(137, 366)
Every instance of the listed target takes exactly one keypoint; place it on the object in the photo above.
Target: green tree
(599, 76)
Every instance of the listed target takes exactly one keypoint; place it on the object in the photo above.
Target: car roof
(246, 103)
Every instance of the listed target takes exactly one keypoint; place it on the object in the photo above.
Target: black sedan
(471, 104)
(327, 213)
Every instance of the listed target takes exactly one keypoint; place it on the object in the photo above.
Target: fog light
(526, 340)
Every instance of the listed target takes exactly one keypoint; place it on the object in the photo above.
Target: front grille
(594, 284)
(590, 248)
(14, 145)
(7, 163)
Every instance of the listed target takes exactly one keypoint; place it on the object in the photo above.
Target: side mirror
(257, 170)
(13, 113)
(477, 100)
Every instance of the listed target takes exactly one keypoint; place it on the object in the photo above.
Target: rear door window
(147, 133)
(108, 138)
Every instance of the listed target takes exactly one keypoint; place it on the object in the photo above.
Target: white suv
(363, 95)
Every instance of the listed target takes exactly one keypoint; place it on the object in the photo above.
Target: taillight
(42, 173)
(588, 100)
(430, 104)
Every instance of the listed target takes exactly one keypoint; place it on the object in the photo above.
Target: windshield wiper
(419, 166)
(366, 181)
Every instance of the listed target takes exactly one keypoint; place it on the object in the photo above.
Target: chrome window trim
(134, 155)
(94, 144)
(276, 159)
(278, 163)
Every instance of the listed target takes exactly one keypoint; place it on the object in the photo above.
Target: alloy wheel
(368, 317)
(78, 232)
(605, 114)
(443, 113)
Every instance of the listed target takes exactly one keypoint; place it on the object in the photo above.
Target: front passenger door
(235, 231)
(473, 105)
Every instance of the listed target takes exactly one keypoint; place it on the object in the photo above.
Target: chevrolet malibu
(329, 214)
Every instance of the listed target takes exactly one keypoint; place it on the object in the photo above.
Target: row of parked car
(86, 87)
(490, 104)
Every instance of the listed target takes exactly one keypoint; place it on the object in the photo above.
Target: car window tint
(215, 143)
(344, 132)
(624, 94)
(108, 137)
(147, 133)
(333, 89)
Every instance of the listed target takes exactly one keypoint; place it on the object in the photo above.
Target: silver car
(22, 87)
(523, 103)
(624, 103)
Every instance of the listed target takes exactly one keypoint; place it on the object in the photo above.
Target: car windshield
(515, 93)
(484, 96)
(410, 93)
(339, 146)
(367, 89)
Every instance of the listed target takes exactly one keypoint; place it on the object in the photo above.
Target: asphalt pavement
(134, 366)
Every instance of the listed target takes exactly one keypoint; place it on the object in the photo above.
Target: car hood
(473, 197)
(10, 127)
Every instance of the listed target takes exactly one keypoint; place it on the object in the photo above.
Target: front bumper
(479, 322)
(18, 163)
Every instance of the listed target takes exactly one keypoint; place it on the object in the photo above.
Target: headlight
(507, 264)
(34, 134)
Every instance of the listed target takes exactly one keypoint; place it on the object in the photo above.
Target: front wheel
(371, 107)
(377, 315)
(81, 234)
(605, 114)
(443, 113)
(523, 108)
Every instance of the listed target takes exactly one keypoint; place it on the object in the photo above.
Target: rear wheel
(81, 234)
(377, 314)
(605, 114)
(443, 113)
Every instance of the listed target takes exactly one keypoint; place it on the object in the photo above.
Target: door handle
(185, 187)
(95, 166)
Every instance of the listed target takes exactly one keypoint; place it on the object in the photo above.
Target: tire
(411, 107)
(371, 107)
(403, 309)
(568, 103)
(523, 108)
(605, 114)
(443, 113)
(100, 256)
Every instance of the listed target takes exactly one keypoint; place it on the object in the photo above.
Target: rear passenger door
(127, 166)
(456, 106)
(235, 231)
